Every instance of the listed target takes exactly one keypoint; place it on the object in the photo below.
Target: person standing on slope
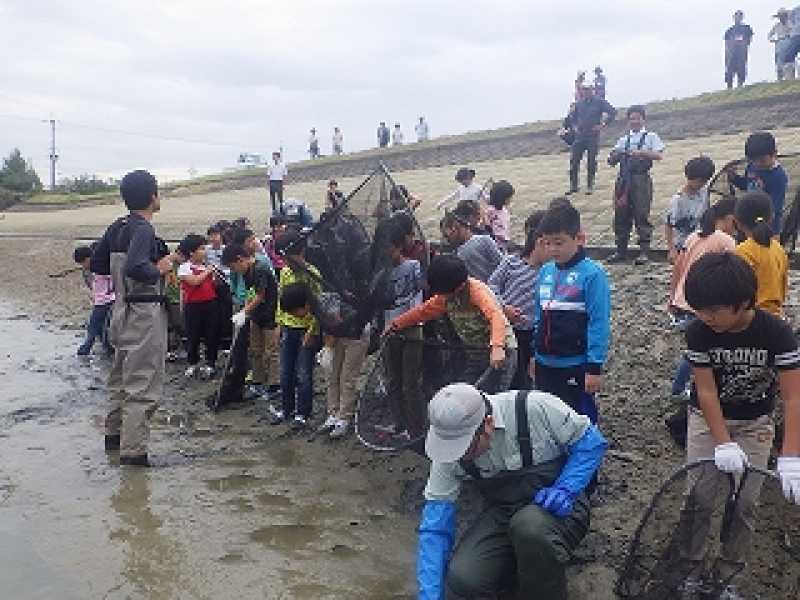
(737, 44)
(276, 172)
(588, 118)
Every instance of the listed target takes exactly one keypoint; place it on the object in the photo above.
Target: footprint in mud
(232, 558)
(232, 483)
(343, 551)
(289, 537)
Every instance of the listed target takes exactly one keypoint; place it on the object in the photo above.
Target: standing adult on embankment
(588, 118)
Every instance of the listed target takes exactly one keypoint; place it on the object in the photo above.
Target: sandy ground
(236, 508)
(537, 180)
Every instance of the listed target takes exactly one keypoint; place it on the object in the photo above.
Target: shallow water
(228, 512)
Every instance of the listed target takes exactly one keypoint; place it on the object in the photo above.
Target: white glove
(239, 318)
(730, 458)
(789, 472)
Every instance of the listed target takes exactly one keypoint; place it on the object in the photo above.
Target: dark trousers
(736, 66)
(587, 144)
(515, 543)
(635, 212)
(404, 380)
(201, 320)
(297, 372)
(276, 193)
(522, 380)
(792, 49)
(568, 383)
(96, 328)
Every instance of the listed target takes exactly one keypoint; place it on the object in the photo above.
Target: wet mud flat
(236, 508)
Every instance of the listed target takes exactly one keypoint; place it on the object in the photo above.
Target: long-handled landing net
(404, 376)
(678, 544)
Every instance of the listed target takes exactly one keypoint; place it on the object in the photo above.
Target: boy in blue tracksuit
(572, 326)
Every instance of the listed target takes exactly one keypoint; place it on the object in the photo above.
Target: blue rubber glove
(436, 536)
(555, 500)
(584, 458)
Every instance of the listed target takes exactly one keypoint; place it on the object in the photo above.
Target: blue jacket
(572, 314)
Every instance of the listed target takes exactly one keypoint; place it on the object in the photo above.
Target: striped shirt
(481, 255)
(514, 284)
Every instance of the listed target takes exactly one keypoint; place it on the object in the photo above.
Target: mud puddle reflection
(232, 512)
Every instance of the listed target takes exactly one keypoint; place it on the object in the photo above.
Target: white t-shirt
(422, 131)
(397, 137)
(277, 171)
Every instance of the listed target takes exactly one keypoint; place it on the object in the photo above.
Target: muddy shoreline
(236, 508)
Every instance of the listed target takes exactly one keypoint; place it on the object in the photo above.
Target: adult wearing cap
(466, 190)
(737, 43)
(532, 457)
(793, 46)
(137, 261)
(780, 34)
(589, 116)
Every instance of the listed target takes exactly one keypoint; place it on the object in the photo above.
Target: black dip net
(790, 224)
(691, 517)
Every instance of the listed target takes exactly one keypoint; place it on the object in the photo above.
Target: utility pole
(53, 155)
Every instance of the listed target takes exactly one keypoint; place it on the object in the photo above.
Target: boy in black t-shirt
(741, 356)
(260, 306)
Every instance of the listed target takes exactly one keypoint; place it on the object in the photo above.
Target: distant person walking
(276, 172)
(780, 35)
(338, 141)
(421, 130)
(588, 118)
(737, 44)
(313, 144)
(599, 83)
(793, 46)
(383, 135)
(397, 135)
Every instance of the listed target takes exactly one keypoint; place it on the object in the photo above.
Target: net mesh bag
(404, 375)
(790, 223)
(676, 547)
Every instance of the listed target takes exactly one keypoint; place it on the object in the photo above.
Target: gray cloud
(256, 75)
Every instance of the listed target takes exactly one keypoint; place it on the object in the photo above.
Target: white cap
(455, 413)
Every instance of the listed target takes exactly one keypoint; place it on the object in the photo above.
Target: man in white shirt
(276, 172)
(338, 141)
(397, 135)
(422, 130)
(467, 190)
(313, 144)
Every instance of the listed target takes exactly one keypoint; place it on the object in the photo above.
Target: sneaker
(172, 356)
(730, 593)
(403, 436)
(642, 259)
(276, 416)
(190, 372)
(390, 429)
(618, 257)
(84, 351)
(206, 372)
(328, 425)
(695, 588)
(253, 391)
(299, 422)
(340, 429)
(571, 191)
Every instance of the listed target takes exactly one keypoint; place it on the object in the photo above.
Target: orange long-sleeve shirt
(479, 296)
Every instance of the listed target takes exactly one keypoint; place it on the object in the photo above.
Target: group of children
(543, 315)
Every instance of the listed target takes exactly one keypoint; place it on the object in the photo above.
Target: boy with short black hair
(214, 247)
(480, 253)
(572, 314)
(299, 335)
(260, 306)
(741, 356)
(688, 204)
(764, 173)
(200, 306)
(467, 300)
(102, 294)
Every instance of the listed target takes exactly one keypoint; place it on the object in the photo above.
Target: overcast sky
(250, 75)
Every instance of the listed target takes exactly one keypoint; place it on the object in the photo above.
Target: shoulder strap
(642, 140)
(523, 429)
